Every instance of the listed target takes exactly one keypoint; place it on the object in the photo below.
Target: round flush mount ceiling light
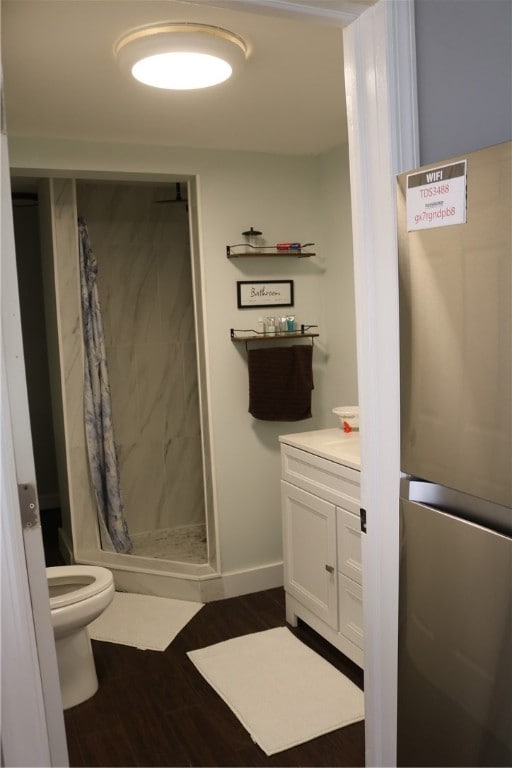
(180, 56)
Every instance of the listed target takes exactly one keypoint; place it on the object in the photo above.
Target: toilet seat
(77, 582)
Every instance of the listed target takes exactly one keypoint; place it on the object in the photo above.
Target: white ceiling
(62, 80)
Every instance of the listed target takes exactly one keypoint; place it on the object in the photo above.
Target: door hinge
(29, 506)
(362, 515)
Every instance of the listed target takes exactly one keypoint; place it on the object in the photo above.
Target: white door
(33, 731)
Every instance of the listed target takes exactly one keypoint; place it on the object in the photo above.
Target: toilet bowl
(78, 595)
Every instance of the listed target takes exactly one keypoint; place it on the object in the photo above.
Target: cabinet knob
(329, 568)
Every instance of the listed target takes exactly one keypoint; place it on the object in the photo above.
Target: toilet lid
(70, 584)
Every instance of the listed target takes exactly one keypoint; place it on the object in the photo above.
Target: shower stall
(144, 238)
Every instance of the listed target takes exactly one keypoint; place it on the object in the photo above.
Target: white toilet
(78, 595)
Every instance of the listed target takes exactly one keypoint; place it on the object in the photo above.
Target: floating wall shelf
(250, 335)
(258, 254)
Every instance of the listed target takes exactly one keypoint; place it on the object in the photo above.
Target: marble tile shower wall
(145, 289)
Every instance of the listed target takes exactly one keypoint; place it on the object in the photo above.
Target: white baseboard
(236, 583)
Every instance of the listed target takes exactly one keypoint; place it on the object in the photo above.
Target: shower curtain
(99, 428)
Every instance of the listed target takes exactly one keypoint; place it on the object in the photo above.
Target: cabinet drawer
(351, 609)
(324, 478)
(348, 530)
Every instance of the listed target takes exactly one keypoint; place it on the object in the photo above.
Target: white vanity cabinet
(322, 543)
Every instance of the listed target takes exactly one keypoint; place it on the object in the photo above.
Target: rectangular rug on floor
(282, 692)
(144, 621)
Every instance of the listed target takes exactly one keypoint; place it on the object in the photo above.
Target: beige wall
(288, 197)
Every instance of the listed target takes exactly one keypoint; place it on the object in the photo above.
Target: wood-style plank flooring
(155, 709)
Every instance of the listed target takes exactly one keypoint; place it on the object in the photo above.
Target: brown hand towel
(280, 382)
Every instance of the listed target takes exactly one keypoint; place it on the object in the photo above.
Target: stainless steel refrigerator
(455, 586)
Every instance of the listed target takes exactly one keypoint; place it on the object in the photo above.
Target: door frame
(31, 695)
(380, 83)
(380, 78)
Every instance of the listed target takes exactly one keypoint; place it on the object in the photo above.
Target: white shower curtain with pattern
(99, 429)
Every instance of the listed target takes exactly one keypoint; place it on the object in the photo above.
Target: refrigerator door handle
(480, 511)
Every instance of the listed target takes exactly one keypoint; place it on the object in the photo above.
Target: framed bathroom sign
(264, 293)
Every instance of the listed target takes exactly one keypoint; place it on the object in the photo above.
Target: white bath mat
(144, 621)
(282, 692)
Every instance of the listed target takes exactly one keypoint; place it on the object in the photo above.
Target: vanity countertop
(332, 444)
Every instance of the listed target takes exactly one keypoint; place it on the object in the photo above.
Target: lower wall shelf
(251, 335)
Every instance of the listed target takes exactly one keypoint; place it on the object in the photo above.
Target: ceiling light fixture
(180, 56)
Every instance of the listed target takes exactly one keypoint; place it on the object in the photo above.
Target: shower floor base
(186, 544)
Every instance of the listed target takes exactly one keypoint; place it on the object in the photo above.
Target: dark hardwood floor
(155, 709)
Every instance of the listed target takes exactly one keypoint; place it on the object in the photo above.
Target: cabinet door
(309, 537)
